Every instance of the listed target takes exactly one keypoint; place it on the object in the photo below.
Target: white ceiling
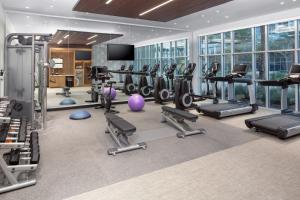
(50, 15)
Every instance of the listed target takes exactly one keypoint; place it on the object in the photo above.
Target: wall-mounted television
(83, 55)
(120, 52)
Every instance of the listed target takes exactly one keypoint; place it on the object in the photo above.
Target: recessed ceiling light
(59, 42)
(175, 23)
(108, 2)
(92, 42)
(294, 0)
(226, 16)
(93, 36)
(282, 3)
(27, 17)
(187, 26)
(156, 7)
(202, 15)
(217, 11)
(208, 21)
(51, 6)
(66, 36)
(152, 30)
(27, 7)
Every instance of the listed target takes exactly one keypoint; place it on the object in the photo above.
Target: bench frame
(178, 122)
(115, 133)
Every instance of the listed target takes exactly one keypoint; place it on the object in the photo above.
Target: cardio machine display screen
(120, 52)
(295, 69)
(240, 69)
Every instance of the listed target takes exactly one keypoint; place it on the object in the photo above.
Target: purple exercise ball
(113, 93)
(136, 103)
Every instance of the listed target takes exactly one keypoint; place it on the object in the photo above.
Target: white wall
(2, 40)
(6, 27)
(2, 35)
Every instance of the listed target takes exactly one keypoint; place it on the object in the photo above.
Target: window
(202, 45)
(260, 63)
(269, 50)
(282, 35)
(181, 48)
(243, 40)
(166, 50)
(214, 44)
(279, 65)
(227, 64)
(227, 42)
(260, 38)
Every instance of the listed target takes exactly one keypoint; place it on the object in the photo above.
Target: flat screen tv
(120, 52)
(83, 55)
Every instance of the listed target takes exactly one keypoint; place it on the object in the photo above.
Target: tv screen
(120, 52)
(83, 55)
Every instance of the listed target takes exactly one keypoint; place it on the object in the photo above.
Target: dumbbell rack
(23, 157)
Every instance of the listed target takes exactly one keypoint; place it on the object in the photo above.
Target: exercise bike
(184, 94)
(162, 90)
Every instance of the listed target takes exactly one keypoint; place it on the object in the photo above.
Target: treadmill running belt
(279, 121)
(221, 107)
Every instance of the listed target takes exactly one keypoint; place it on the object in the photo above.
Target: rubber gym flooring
(74, 158)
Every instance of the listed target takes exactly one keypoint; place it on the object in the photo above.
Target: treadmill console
(240, 70)
(294, 71)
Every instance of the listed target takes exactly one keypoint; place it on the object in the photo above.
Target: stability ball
(113, 93)
(67, 102)
(79, 115)
(136, 103)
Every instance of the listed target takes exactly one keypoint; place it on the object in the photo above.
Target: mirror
(78, 45)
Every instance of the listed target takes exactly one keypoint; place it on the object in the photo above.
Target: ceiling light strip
(156, 7)
(66, 36)
(92, 42)
(108, 2)
(93, 36)
(59, 42)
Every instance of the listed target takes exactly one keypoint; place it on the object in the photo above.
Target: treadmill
(286, 124)
(232, 107)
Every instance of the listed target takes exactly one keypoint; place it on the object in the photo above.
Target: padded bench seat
(120, 123)
(181, 113)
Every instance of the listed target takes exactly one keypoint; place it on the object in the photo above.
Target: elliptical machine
(163, 90)
(184, 94)
(153, 74)
(143, 88)
(129, 87)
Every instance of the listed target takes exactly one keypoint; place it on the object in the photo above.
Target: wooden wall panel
(132, 8)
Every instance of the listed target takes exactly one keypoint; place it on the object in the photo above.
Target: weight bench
(176, 117)
(120, 129)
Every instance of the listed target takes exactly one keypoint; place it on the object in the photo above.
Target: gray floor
(74, 158)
